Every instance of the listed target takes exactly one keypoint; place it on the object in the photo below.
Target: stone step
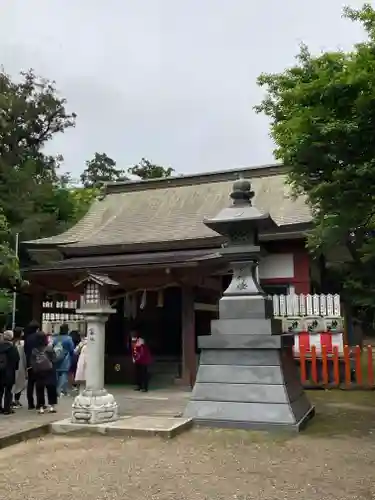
(128, 426)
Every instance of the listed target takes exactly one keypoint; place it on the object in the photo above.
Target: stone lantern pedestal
(247, 377)
(94, 405)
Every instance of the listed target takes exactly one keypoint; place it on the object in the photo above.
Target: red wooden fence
(327, 369)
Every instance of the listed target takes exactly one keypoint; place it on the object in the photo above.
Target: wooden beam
(199, 306)
(211, 284)
(189, 358)
(37, 299)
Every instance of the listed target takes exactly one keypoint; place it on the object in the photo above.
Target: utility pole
(14, 304)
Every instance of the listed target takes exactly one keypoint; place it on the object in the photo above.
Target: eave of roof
(195, 179)
(162, 259)
(102, 258)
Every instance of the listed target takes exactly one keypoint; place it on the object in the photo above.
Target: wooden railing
(353, 370)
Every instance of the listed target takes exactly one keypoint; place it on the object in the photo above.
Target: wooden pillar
(189, 358)
(37, 299)
(301, 280)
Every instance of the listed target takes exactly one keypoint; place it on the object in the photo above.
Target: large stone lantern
(95, 405)
(247, 377)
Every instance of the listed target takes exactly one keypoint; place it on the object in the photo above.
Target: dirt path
(157, 402)
(332, 460)
(202, 464)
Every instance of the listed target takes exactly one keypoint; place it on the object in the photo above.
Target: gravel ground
(201, 464)
(332, 460)
(156, 402)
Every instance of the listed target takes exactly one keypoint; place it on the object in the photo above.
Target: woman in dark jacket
(31, 332)
(42, 361)
(9, 360)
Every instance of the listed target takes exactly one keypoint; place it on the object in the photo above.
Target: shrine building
(149, 237)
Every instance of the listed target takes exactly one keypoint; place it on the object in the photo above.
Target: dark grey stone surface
(265, 412)
(245, 307)
(240, 357)
(264, 393)
(248, 388)
(245, 341)
(240, 374)
(241, 326)
(252, 425)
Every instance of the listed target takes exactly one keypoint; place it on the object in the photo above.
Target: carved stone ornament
(94, 407)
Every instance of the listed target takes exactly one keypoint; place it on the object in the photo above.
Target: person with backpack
(63, 348)
(31, 334)
(42, 362)
(9, 361)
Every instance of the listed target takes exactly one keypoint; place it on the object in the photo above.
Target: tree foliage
(82, 199)
(147, 170)
(31, 113)
(31, 195)
(100, 169)
(9, 267)
(36, 199)
(322, 113)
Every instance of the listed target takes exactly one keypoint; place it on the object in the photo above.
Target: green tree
(99, 170)
(9, 270)
(147, 170)
(82, 199)
(31, 114)
(9, 267)
(322, 113)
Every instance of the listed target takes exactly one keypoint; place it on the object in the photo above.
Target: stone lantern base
(248, 382)
(94, 407)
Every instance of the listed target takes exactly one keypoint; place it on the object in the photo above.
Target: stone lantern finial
(241, 192)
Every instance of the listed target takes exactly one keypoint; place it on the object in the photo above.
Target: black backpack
(3, 361)
(39, 361)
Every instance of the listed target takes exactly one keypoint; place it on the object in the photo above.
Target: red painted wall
(301, 279)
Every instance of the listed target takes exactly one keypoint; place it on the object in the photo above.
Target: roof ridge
(194, 179)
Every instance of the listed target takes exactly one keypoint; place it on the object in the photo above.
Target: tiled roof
(174, 209)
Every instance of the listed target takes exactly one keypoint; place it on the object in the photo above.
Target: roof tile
(174, 212)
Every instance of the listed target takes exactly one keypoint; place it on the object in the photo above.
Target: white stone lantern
(95, 405)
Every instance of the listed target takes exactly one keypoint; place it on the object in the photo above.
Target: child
(80, 376)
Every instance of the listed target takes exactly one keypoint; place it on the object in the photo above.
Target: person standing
(76, 337)
(63, 347)
(42, 361)
(20, 382)
(9, 361)
(32, 333)
(142, 361)
(80, 374)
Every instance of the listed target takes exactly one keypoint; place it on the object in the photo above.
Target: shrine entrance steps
(155, 413)
(128, 426)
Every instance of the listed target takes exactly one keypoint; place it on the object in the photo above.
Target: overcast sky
(171, 80)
